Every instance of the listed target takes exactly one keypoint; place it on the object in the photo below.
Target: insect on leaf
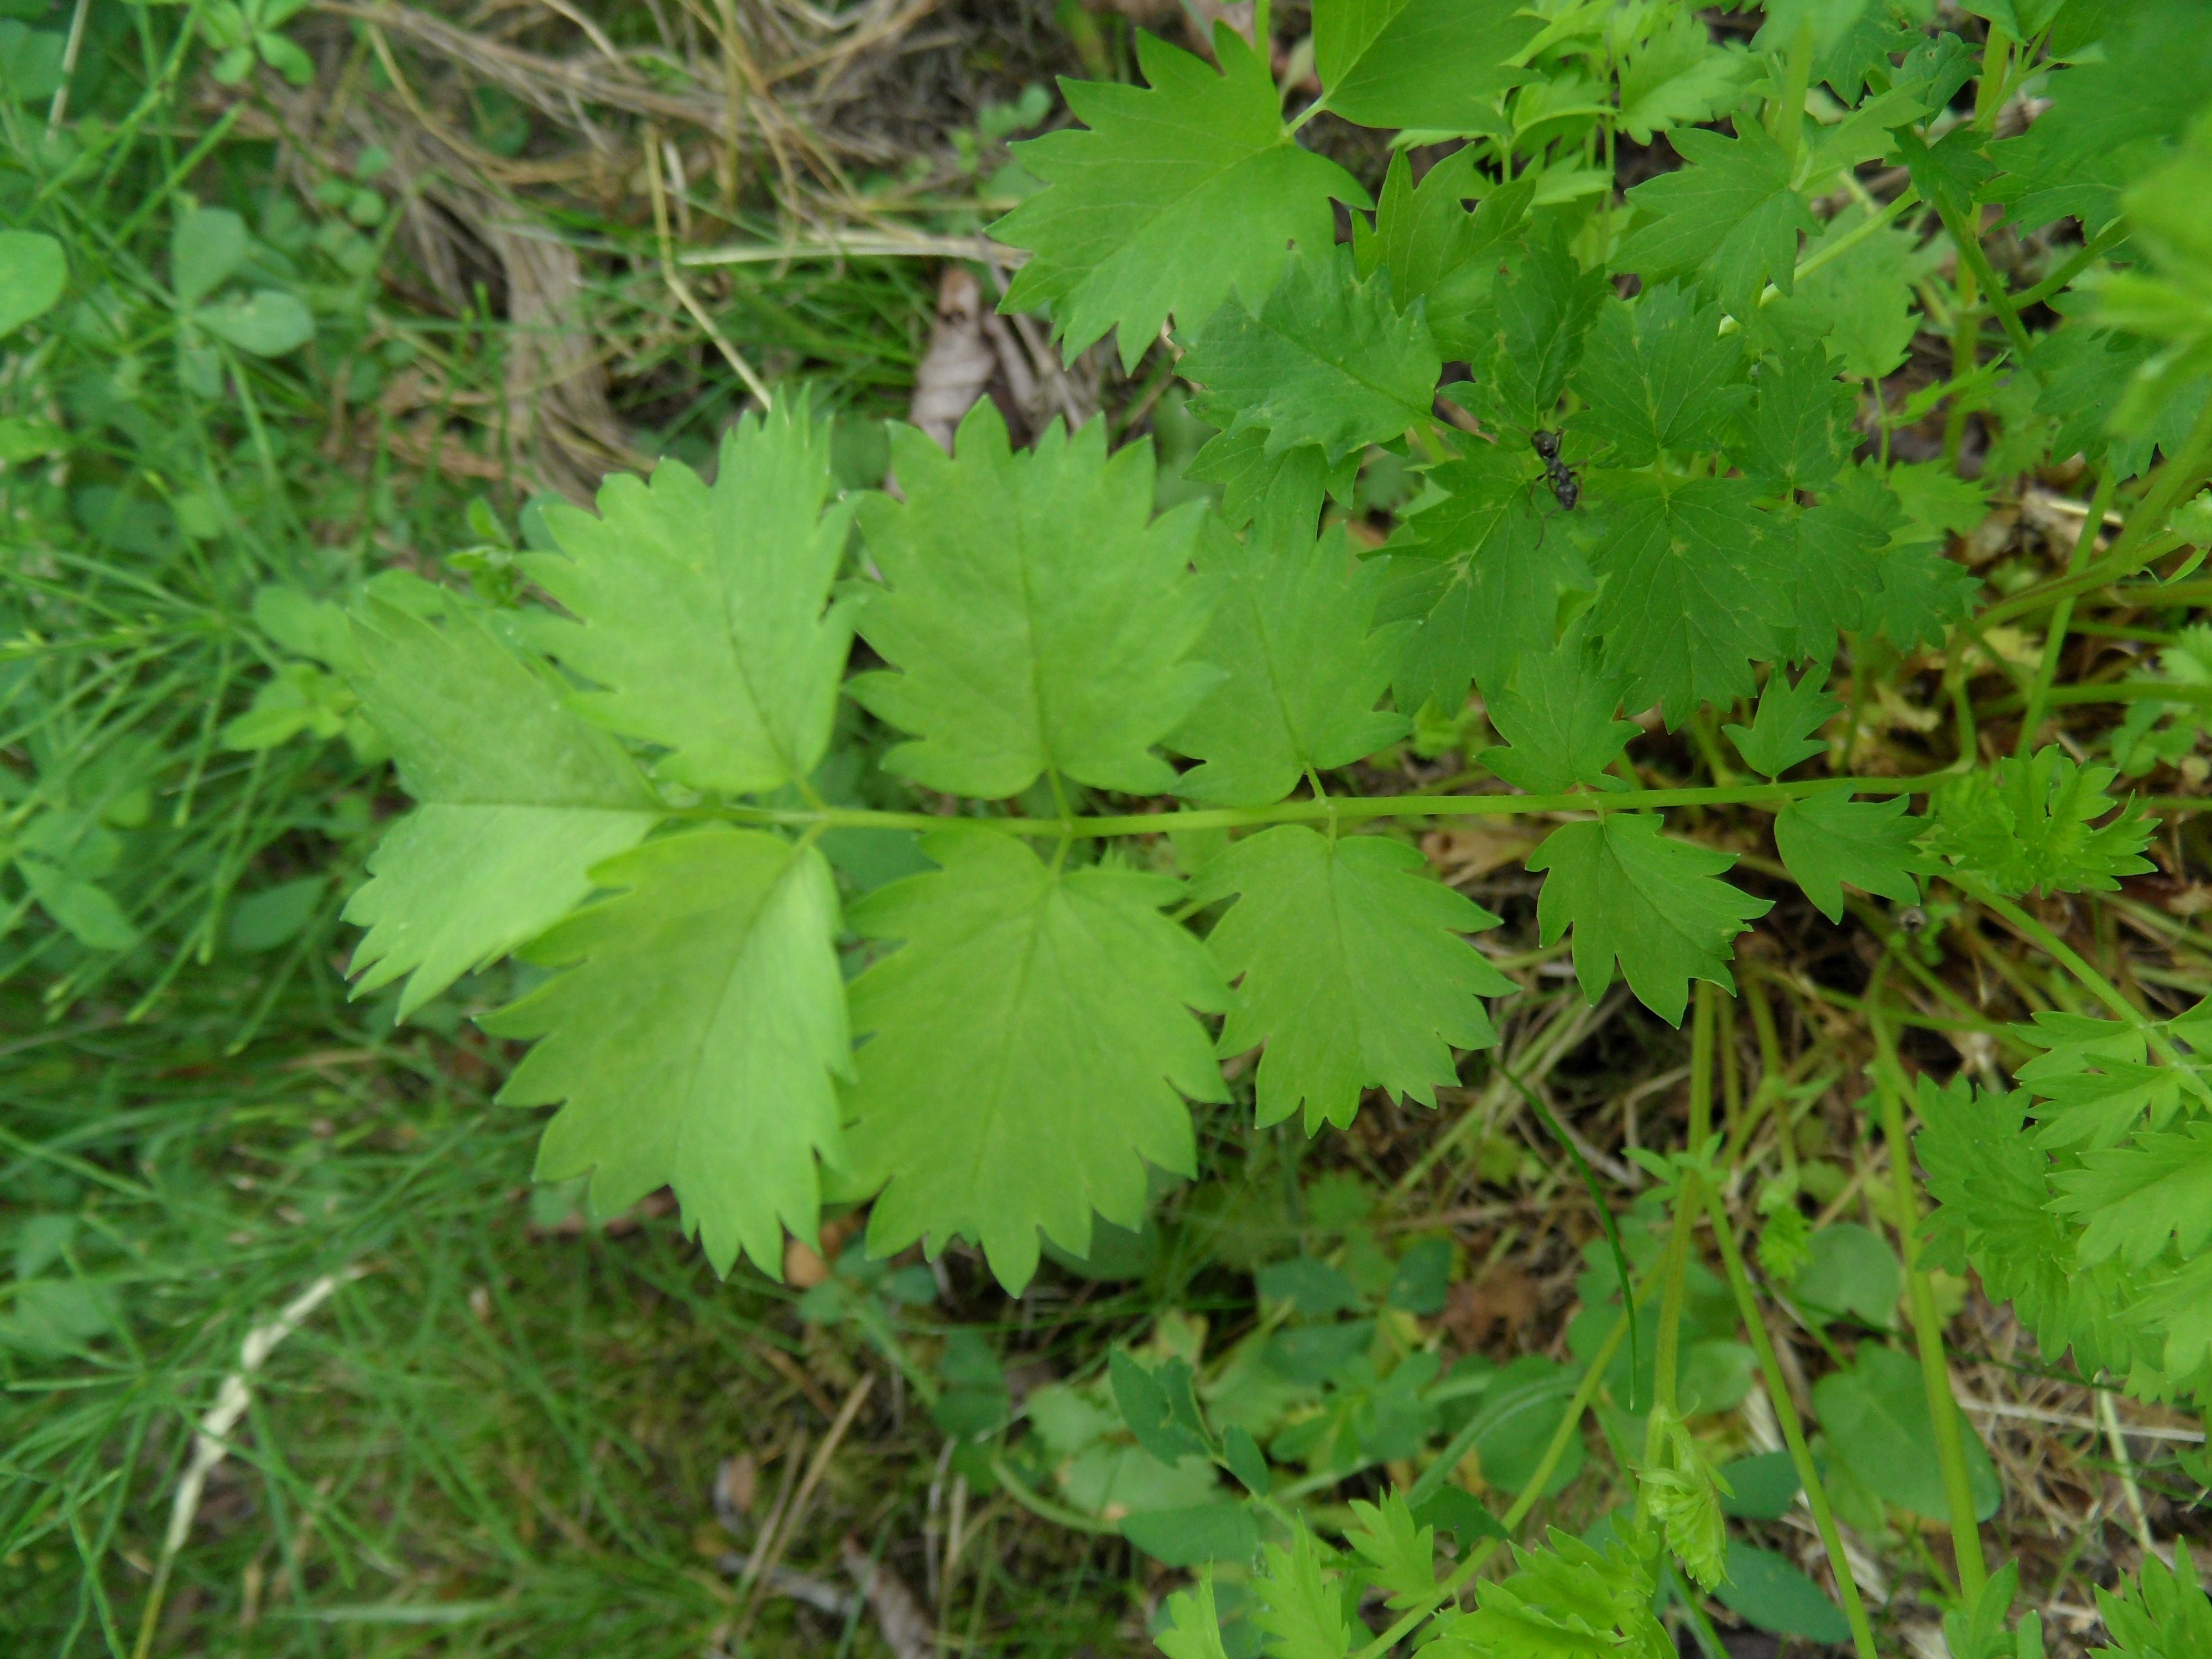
(1354, 972)
(693, 1039)
(1025, 1048)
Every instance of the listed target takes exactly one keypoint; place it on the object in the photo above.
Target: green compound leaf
(1352, 971)
(1301, 673)
(1301, 1596)
(1024, 1047)
(2138, 1198)
(1328, 360)
(694, 1041)
(2030, 825)
(1556, 712)
(1830, 839)
(1657, 906)
(701, 608)
(1688, 602)
(1860, 304)
(1781, 731)
(1728, 216)
(519, 795)
(1435, 64)
(1173, 196)
(1023, 644)
(1657, 375)
(1434, 249)
(1479, 574)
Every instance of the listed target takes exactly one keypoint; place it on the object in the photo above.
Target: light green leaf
(1682, 1492)
(1354, 973)
(1727, 215)
(1849, 1270)
(1175, 195)
(1194, 1629)
(206, 246)
(1781, 733)
(1556, 712)
(1301, 1598)
(1437, 64)
(519, 798)
(30, 63)
(1024, 1049)
(266, 323)
(1829, 839)
(693, 1040)
(1860, 304)
(82, 908)
(1875, 1413)
(1328, 360)
(701, 610)
(1400, 1556)
(1301, 671)
(34, 271)
(1657, 905)
(1037, 616)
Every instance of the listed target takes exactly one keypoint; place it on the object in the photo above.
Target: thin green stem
(1771, 796)
(1968, 241)
(1927, 1323)
(1787, 118)
(1666, 1353)
(2083, 258)
(1793, 1429)
(2054, 641)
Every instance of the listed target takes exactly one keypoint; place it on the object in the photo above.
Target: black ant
(1565, 484)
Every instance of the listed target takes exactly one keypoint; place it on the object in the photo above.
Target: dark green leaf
(1657, 905)
(1766, 1590)
(1829, 839)
(1728, 216)
(1875, 1413)
(1657, 376)
(1781, 733)
(1427, 63)
(1556, 712)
